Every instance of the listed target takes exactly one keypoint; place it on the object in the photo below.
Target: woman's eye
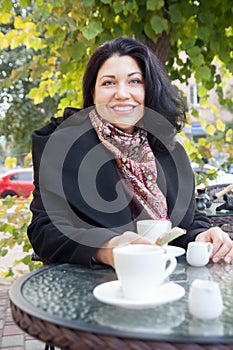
(108, 82)
(135, 81)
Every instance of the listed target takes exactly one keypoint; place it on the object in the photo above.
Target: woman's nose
(122, 91)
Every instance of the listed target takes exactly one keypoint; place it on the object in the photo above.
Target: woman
(100, 169)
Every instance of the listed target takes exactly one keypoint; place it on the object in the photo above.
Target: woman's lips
(123, 108)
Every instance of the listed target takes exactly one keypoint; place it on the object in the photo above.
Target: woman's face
(119, 92)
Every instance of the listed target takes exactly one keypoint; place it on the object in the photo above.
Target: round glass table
(56, 305)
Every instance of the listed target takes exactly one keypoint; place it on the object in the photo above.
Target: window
(24, 176)
(193, 95)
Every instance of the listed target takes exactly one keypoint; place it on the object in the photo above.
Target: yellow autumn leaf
(210, 129)
(51, 61)
(220, 125)
(203, 123)
(18, 40)
(11, 35)
(5, 18)
(19, 23)
(229, 135)
(35, 43)
(204, 102)
(36, 96)
(215, 110)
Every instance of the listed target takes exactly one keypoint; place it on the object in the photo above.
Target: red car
(17, 182)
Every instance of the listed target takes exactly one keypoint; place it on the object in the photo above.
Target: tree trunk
(161, 47)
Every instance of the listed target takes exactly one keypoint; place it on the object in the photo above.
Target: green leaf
(27, 259)
(57, 3)
(88, 3)
(118, 7)
(203, 33)
(193, 51)
(175, 13)
(92, 30)
(3, 252)
(21, 73)
(206, 17)
(187, 9)
(202, 91)
(6, 5)
(106, 1)
(204, 102)
(158, 24)
(152, 5)
(195, 113)
(6, 83)
(25, 3)
(202, 73)
(214, 46)
(76, 51)
(198, 60)
(188, 43)
(10, 273)
(229, 31)
(72, 23)
(148, 30)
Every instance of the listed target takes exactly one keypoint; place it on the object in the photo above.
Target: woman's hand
(222, 244)
(105, 253)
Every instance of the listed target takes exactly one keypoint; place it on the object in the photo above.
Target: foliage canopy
(63, 34)
(45, 46)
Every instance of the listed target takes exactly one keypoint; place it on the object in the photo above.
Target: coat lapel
(92, 184)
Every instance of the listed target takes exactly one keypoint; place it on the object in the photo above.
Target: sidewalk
(11, 336)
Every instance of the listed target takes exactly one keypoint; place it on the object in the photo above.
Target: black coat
(78, 202)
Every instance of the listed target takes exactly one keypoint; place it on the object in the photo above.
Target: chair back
(213, 189)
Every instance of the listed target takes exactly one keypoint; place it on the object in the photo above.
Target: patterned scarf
(136, 162)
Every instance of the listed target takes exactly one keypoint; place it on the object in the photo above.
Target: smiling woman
(100, 169)
(119, 94)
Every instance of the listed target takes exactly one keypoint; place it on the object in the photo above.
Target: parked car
(209, 172)
(17, 182)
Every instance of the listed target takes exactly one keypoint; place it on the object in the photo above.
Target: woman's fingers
(222, 244)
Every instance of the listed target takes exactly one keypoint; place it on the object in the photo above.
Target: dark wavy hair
(160, 95)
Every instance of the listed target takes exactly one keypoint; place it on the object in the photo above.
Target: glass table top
(63, 294)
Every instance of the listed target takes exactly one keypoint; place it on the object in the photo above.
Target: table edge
(18, 301)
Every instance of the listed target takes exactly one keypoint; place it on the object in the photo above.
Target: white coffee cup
(205, 299)
(141, 269)
(152, 229)
(198, 253)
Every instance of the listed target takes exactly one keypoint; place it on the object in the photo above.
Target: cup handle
(210, 248)
(172, 265)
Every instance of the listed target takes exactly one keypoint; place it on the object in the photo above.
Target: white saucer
(173, 250)
(111, 293)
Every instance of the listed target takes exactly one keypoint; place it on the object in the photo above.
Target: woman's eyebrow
(113, 76)
(129, 75)
(107, 76)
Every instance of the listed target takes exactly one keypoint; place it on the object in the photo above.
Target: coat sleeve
(59, 240)
(54, 235)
